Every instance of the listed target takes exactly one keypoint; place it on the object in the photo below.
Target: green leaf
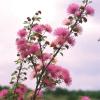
(25, 22)
(13, 74)
(17, 62)
(38, 19)
(33, 33)
(67, 46)
(61, 53)
(85, 19)
(13, 78)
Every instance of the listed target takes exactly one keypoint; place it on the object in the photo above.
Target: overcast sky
(82, 60)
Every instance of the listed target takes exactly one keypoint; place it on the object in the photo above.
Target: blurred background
(82, 60)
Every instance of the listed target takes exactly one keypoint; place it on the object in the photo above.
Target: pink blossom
(54, 43)
(67, 22)
(40, 93)
(49, 83)
(72, 8)
(61, 40)
(53, 70)
(78, 13)
(38, 67)
(61, 31)
(48, 28)
(33, 74)
(64, 74)
(38, 28)
(34, 48)
(71, 41)
(21, 90)
(89, 10)
(78, 28)
(21, 41)
(85, 98)
(22, 47)
(59, 72)
(3, 92)
(20, 97)
(26, 48)
(22, 32)
(45, 56)
(18, 91)
(24, 54)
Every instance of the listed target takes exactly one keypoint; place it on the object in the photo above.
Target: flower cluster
(3, 93)
(25, 47)
(85, 98)
(55, 75)
(40, 28)
(20, 91)
(63, 36)
(32, 45)
(76, 9)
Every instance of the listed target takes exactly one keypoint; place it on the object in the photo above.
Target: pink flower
(67, 22)
(3, 92)
(85, 98)
(59, 72)
(33, 74)
(89, 10)
(20, 97)
(54, 43)
(61, 40)
(21, 41)
(34, 48)
(64, 74)
(72, 8)
(45, 56)
(38, 28)
(25, 48)
(24, 54)
(21, 89)
(49, 83)
(71, 41)
(40, 93)
(22, 47)
(78, 13)
(38, 67)
(53, 70)
(22, 32)
(78, 28)
(48, 28)
(61, 31)
(18, 91)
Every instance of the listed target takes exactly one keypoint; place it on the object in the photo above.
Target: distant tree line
(74, 94)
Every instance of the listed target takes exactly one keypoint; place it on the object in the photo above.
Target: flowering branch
(78, 20)
(32, 47)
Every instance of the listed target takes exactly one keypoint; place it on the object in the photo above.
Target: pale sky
(82, 60)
